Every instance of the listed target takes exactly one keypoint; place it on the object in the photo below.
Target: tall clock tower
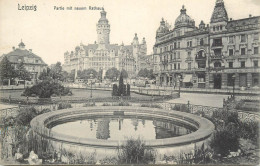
(103, 29)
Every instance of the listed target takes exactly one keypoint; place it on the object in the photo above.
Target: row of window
(243, 64)
(243, 38)
(243, 51)
(178, 45)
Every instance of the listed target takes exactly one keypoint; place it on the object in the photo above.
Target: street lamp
(179, 77)
(234, 78)
(91, 76)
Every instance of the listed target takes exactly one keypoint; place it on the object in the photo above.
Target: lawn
(77, 93)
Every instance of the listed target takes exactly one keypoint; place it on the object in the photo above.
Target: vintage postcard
(112, 82)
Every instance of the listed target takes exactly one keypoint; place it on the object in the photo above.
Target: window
(174, 66)
(243, 38)
(179, 65)
(231, 39)
(189, 54)
(230, 64)
(175, 55)
(220, 27)
(201, 42)
(231, 52)
(243, 64)
(256, 36)
(256, 50)
(175, 45)
(243, 51)
(189, 66)
(214, 28)
(190, 43)
(171, 47)
(217, 64)
(255, 63)
(178, 56)
(160, 50)
(230, 80)
(171, 56)
(217, 42)
(179, 45)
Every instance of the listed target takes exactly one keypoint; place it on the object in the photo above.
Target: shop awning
(187, 78)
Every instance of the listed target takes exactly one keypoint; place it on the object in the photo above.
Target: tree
(124, 73)
(146, 73)
(6, 70)
(23, 74)
(112, 73)
(121, 87)
(85, 74)
(56, 72)
(46, 74)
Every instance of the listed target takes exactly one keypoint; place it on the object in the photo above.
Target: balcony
(216, 56)
(217, 45)
(200, 58)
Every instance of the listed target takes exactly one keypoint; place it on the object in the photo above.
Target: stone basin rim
(204, 127)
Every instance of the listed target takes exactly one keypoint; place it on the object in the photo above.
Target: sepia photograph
(129, 82)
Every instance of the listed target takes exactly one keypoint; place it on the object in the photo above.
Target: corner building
(208, 56)
(102, 55)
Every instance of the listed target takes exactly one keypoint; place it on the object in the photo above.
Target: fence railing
(190, 108)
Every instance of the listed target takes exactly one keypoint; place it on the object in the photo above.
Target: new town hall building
(102, 55)
(208, 56)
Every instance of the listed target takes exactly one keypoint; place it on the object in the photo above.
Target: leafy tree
(23, 74)
(114, 92)
(146, 73)
(56, 72)
(112, 73)
(85, 74)
(6, 70)
(124, 73)
(71, 75)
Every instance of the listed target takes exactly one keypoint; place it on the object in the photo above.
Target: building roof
(184, 20)
(219, 14)
(246, 23)
(19, 55)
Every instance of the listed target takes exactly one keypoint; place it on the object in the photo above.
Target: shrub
(45, 110)
(89, 104)
(46, 89)
(25, 116)
(134, 151)
(249, 130)
(151, 105)
(114, 92)
(124, 104)
(64, 105)
(106, 104)
(128, 90)
(225, 140)
(181, 107)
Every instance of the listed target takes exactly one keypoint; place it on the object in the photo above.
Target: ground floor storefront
(210, 80)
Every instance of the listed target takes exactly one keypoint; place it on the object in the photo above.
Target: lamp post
(91, 76)
(179, 77)
(234, 78)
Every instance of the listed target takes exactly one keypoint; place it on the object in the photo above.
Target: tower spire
(219, 14)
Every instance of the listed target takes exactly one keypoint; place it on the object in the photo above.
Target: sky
(50, 33)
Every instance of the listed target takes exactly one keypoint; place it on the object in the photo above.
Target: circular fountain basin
(112, 125)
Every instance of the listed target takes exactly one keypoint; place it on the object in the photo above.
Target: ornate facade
(208, 56)
(102, 55)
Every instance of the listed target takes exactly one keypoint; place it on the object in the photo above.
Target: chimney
(30, 50)
(13, 48)
(250, 15)
(231, 19)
